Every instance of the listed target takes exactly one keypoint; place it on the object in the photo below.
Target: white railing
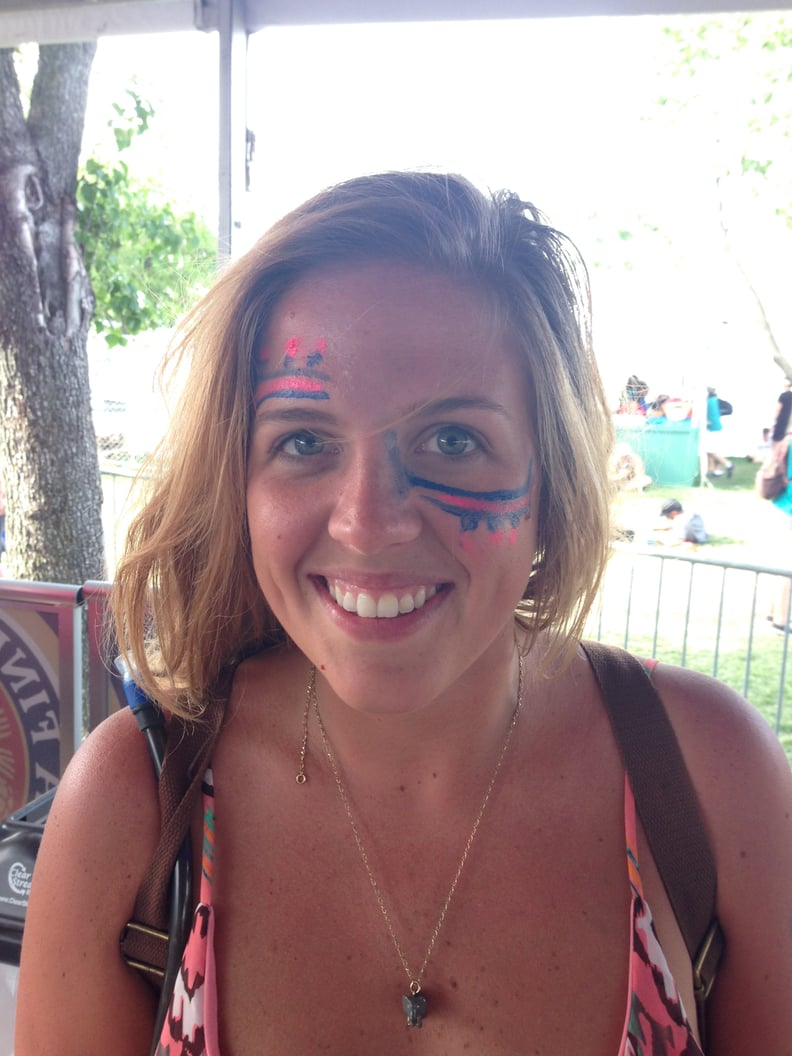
(702, 613)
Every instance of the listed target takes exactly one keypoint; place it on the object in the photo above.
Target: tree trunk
(50, 465)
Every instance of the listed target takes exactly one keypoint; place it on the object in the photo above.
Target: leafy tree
(146, 262)
(53, 232)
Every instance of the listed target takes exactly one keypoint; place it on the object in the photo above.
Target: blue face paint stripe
(480, 496)
(292, 394)
(499, 509)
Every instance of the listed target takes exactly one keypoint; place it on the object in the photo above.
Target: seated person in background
(686, 527)
(656, 411)
(627, 470)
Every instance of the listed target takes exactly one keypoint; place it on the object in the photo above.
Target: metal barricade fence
(714, 616)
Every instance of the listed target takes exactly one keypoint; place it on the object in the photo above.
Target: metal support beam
(233, 120)
(262, 13)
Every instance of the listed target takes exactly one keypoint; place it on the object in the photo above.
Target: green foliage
(739, 86)
(147, 262)
(723, 121)
(131, 123)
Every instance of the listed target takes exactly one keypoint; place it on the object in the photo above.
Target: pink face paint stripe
(496, 519)
(480, 505)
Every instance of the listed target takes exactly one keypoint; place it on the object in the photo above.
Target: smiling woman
(373, 533)
(411, 473)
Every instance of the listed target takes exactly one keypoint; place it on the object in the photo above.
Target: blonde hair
(186, 602)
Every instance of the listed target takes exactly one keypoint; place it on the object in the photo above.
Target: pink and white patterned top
(655, 1022)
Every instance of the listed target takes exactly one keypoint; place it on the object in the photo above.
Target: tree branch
(57, 111)
(12, 117)
(778, 356)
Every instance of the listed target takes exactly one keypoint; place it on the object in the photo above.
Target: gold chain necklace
(414, 1003)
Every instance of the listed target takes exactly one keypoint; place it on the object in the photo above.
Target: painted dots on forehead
(295, 372)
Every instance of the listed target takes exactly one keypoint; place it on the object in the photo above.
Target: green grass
(758, 682)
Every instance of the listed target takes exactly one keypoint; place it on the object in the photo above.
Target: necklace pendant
(414, 1007)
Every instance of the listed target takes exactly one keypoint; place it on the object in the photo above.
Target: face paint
(499, 509)
(291, 380)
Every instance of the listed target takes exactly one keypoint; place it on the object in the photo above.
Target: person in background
(685, 527)
(782, 414)
(371, 542)
(781, 541)
(633, 398)
(763, 449)
(717, 463)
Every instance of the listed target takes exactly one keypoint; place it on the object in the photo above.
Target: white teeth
(366, 607)
(387, 606)
(406, 603)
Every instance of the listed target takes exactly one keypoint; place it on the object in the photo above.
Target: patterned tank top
(655, 1023)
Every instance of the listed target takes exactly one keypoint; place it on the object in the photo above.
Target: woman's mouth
(379, 605)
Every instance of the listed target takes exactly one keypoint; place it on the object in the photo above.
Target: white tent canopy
(58, 21)
(52, 21)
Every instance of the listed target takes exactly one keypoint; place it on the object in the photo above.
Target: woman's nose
(376, 508)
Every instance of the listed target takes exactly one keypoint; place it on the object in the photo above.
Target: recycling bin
(670, 452)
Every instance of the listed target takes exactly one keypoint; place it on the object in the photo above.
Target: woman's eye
(452, 440)
(301, 444)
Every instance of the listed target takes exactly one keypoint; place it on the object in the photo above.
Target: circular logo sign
(29, 711)
(19, 878)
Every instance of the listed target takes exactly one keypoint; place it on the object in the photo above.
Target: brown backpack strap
(667, 805)
(145, 939)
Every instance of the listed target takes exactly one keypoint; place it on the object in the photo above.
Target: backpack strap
(155, 936)
(667, 805)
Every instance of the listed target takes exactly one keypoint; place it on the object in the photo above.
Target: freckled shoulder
(99, 838)
(265, 683)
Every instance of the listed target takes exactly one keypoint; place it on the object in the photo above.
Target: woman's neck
(439, 746)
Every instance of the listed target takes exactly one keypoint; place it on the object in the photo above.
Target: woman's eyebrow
(447, 404)
(299, 412)
(308, 411)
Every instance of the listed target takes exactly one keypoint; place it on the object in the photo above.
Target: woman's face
(392, 481)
